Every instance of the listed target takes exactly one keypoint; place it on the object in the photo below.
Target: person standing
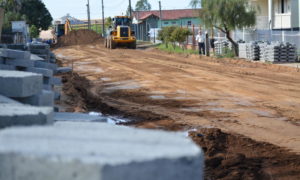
(200, 38)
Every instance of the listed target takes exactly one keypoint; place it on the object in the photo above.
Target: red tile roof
(168, 14)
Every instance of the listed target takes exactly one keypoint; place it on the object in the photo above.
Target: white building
(278, 14)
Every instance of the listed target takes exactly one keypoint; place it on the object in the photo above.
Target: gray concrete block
(35, 57)
(21, 115)
(63, 70)
(46, 65)
(47, 87)
(21, 47)
(57, 95)
(20, 63)
(16, 54)
(20, 84)
(97, 151)
(7, 67)
(77, 117)
(55, 81)
(43, 71)
(45, 98)
(6, 100)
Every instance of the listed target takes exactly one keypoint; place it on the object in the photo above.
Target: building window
(283, 6)
(189, 23)
(166, 23)
(174, 22)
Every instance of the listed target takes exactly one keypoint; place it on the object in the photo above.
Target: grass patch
(95, 27)
(175, 49)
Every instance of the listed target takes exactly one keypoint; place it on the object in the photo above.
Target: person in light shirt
(200, 38)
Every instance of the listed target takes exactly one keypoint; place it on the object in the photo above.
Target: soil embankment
(78, 37)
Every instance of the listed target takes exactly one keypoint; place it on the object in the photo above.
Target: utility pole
(130, 10)
(103, 20)
(89, 14)
(160, 14)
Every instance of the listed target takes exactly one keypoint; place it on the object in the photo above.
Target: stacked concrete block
(268, 52)
(40, 49)
(253, 51)
(222, 47)
(60, 70)
(21, 47)
(94, 151)
(13, 114)
(6, 100)
(249, 51)
(243, 50)
(44, 98)
(20, 84)
(291, 52)
(78, 117)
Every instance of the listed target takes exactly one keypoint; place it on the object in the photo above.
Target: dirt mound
(79, 37)
(232, 156)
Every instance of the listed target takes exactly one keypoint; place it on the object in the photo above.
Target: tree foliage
(8, 18)
(227, 15)
(165, 34)
(34, 31)
(142, 5)
(11, 5)
(173, 34)
(108, 22)
(36, 14)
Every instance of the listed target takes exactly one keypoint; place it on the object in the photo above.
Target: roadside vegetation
(173, 40)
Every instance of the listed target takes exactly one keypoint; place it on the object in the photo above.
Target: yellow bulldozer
(120, 34)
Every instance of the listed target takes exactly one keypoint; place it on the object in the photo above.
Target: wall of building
(295, 5)
(180, 22)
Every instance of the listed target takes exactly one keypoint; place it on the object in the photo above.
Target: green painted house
(146, 20)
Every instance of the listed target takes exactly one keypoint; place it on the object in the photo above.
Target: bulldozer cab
(121, 21)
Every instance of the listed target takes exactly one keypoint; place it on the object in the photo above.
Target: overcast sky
(77, 8)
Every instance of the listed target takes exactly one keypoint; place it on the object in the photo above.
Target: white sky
(77, 8)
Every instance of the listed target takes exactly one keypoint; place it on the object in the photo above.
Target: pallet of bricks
(222, 47)
(249, 51)
(274, 52)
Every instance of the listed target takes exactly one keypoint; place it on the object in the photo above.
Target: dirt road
(260, 101)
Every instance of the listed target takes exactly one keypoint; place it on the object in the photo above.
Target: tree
(9, 6)
(142, 5)
(227, 16)
(34, 31)
(180, 35)
(165, 35)
(108, 22)
(36, 14)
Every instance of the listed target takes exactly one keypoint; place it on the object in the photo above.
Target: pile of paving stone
(268, 52)
(249, 51)
(38, 143)
(222, 47)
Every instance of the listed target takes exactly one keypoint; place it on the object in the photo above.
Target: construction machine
(120, 33)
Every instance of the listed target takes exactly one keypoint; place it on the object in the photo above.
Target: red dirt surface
(245, 115)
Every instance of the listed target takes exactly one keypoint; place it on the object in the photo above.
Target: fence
(97, 27)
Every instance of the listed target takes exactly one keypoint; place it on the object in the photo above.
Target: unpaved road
(260, 101)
